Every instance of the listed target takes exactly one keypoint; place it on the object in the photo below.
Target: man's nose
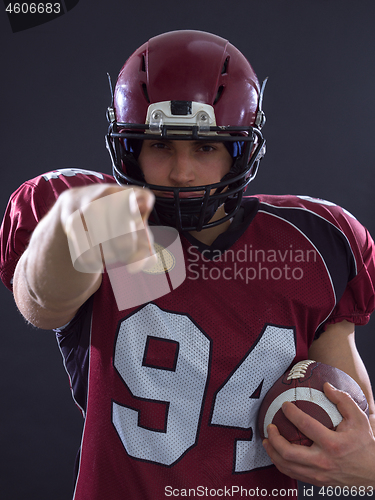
(182, 171)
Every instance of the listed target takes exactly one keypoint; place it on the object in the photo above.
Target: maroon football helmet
(188, 85)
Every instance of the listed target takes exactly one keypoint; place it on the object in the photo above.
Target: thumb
(344, 402)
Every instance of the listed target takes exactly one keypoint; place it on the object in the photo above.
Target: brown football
(303, 386)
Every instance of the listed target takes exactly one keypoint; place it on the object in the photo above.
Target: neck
(209, 235)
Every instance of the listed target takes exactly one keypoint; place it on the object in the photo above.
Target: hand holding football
(303, 386)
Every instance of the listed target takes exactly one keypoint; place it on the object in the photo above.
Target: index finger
(145, 200)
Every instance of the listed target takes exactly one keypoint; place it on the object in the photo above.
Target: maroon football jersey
(171, 388)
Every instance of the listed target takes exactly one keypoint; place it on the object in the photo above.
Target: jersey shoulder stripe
(344, 244)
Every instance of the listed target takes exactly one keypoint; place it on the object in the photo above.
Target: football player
(170, 384)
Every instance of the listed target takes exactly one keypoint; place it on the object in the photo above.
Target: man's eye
(207, 148)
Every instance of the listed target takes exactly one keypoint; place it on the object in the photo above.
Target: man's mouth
(182, 194)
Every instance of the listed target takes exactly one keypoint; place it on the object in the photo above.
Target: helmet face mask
(215, 112)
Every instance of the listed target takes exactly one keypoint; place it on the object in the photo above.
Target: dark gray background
(319, 102)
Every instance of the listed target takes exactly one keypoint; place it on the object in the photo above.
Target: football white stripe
(304, 394)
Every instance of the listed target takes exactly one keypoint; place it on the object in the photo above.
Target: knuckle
(336, 445)
(319, 479)
(287, 453)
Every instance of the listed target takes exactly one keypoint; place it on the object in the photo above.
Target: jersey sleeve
(358, 299)
(28, 205)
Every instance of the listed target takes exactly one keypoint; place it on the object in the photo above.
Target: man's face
(184, 163)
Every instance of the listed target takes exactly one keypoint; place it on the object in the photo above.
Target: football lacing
(299, 369)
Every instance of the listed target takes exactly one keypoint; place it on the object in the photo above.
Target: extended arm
(47, 288)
